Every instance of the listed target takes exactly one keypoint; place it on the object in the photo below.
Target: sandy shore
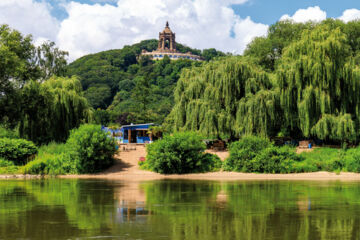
(126, 168)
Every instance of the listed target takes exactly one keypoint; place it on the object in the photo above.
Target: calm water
(88, 209)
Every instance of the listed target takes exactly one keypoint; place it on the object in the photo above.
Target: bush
(51, 162)
(8, 167)
(5, 163)
(178, 154)
(88, 150)
(17, 150)
(91, 148)
(322, 159)
(243, 151)
(8, 133)
(37, 166)
(275, 160)
(352, 160)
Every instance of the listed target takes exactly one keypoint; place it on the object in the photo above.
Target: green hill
(132, 88)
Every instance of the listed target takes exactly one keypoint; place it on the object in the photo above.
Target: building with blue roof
(133, 133)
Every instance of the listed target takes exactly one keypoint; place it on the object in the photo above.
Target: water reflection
(71, 209)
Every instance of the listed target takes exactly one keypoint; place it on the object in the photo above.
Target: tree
(51, 60)
(20, 62)
(98, 96)
(16, 68)
(220, 99)
(211, 53)
(267, 50)
(51, 109)
(318, 80)
(102, 117)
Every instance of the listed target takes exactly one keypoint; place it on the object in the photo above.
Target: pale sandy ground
(127, 168)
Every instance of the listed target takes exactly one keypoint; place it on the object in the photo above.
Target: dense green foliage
(8, 167)
(52, 159)
(87, 150)
(180, 153)
(302, 80)
(133, 90)
(256, 154)
(329, 159)
(8, 133)
(21, 62)
(225, 98)
(243, 151)
(61, 101)
(17, 150)
(92, 148)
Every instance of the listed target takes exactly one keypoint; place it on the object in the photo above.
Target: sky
(88, 26)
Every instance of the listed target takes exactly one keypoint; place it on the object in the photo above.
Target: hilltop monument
(167, 47)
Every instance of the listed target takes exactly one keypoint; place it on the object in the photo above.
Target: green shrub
(243, 151)
(53, 148)
(8, 167)
(58, 159)
(52, 164)
(91, 149)
(17, 150)
(87, 150)
(322, 159)
(8, 133)
(37, 166)
(352, 160)
(6, 163)
(178, 154)
(274, 160)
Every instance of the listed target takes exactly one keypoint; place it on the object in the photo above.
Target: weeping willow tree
(319, 85)
(52, 108)
(225, 98)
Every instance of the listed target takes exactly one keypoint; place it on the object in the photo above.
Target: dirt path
(127, 168)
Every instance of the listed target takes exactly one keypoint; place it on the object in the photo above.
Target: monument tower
(167, 47)
(167, 39)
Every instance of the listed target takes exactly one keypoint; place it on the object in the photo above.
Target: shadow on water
(172, 209)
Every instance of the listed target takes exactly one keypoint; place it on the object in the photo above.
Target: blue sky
(269, 11)
(89, 26)
(264, 11)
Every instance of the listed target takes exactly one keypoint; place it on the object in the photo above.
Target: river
(178, 210)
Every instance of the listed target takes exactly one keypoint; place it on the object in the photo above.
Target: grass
(8, 167)
(330, 160)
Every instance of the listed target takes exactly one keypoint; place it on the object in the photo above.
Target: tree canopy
(140, 88)
(301, 80)
(51, 109)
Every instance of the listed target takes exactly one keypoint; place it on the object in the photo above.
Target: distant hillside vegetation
(132, 89)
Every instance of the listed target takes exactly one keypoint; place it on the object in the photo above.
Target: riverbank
(127, 169)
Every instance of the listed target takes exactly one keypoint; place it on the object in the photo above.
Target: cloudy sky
(88, 26)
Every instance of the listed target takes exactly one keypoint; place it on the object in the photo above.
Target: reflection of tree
(62, 209)
(254, 210)
(70, 204)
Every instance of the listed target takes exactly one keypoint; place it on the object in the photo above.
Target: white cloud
(90, 28)
(350, 15)
(29, 17)
(305, 15)
(197, 23)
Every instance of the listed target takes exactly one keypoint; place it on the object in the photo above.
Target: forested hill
(132, 89)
